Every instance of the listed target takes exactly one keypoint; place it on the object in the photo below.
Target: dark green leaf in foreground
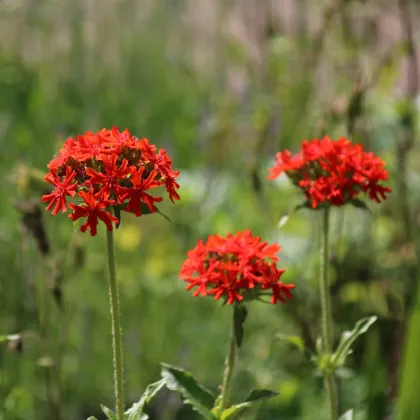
(192, 393)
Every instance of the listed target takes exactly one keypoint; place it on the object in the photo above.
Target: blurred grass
(173, 72)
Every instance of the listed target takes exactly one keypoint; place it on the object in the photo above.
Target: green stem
(326, 319)
(116, 328)
(229, 367)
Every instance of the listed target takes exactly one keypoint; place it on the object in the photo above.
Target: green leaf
(240, 313)
(293, 339)
(348, 338)
(298, 343)
(92, 418)
(45, 361)
(145, 210)
(256, 396)
(164, 215)
(348, 415)
(359, 204)
(408, 407)
(109, 413)
(117, 212)
(9, 337)
(136, 412)
(192, 392)
(284, 219)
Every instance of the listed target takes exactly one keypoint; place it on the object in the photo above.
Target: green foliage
(162, 74)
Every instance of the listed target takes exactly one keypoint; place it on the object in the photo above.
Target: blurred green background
(222, 85)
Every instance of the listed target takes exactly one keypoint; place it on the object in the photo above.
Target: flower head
(235, 267)
(107, 169)
(333, 172)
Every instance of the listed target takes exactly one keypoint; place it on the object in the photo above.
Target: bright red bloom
(93, 209)
(65, 152)
(92, 146)
(162, 163)
(235, 267)
(63, 187)
(110, 177)
(137, 193)
(118, 141)
(116, 168)
(335, 172)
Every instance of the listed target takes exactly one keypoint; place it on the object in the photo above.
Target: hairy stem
(229, 367)
(326, 319)
(116, 328)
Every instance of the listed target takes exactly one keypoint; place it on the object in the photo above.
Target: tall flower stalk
(236, 268)
(116, 328)
(327, 319)
(332, 173)
(103, 174)
(229, 367)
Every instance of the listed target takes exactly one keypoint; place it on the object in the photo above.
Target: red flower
(335, 172)
(63, 188)
(92, 146)
(118, 141)
(66, 151)
(137, 194)
(162, 163)
(93, 209)
(109, 179)
(116, 168)
(236, 267)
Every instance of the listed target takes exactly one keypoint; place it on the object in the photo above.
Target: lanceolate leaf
(240, 313)
(348, 415)
(285, 219)
(297, 342)
(348, 338)
(117, 212)
(136, 412)
(360, 205)
(144, 208)
(109, 413)
(9, 337)
(256, 396)
(293, 339)
(194, 394)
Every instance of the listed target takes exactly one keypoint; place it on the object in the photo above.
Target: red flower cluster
(106, 169)
(333, 171)
(234, 265)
